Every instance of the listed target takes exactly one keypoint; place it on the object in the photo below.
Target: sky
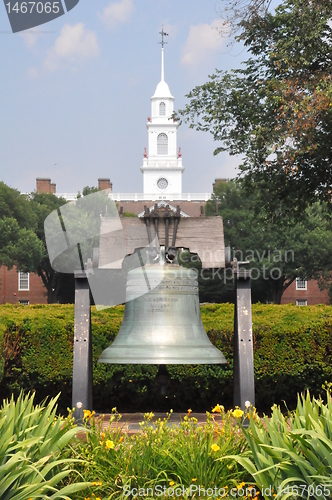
(75, 92)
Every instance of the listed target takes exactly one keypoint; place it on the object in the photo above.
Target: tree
(81, 222)
(88, 190)
(235, 12)
(277, 111)
(19, 244)
(42, 205)
(277, 249)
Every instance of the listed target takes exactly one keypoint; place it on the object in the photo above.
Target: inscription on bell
(162, 324)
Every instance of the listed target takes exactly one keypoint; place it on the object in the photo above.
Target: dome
(162, 91)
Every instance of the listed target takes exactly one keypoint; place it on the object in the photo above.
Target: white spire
(162, 65)
(162, 90)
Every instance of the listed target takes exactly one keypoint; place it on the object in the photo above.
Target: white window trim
(301, 305)
(162, 147)
(19, 282)
(162, 108)
(301, 287)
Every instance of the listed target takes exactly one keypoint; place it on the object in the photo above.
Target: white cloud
(117, 13)
(73, 45)
(202, 41)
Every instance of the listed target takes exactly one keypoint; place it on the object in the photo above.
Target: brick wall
(313, 294)
(9, 292)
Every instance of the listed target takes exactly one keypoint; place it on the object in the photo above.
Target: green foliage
(292, 347)
(276, 111)
(292, 453)
(87, 190)
(278, 249)
(15, 205)
(19, 244)
(33, 457)
(42, 205)
(160, 455)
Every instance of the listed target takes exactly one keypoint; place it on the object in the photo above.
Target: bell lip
(162, 362)
(119, 358)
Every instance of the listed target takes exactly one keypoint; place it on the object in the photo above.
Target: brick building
(305, 293)
(17, 287)
(21, 288)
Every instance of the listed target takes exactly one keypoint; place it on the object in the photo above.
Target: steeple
(162, 90)
(162, 166)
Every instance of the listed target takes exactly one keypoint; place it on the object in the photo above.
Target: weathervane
(163, 34)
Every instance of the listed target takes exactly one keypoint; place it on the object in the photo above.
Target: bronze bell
(162, 321)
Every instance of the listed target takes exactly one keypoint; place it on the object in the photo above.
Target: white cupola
(162, 165)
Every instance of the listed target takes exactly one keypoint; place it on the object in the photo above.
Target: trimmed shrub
(292, 349)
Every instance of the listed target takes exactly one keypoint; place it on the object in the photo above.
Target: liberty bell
(162, 322)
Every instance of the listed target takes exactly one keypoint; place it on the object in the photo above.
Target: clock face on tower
(162, 183)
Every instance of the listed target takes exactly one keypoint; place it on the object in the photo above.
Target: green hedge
(292, 345)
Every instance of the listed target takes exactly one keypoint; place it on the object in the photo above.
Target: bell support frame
(243, 361)
(82, 362)
(243, 369)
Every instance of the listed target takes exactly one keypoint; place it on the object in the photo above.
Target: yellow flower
(194, 479)
(237, 413)
(171, 483)
(98, 498)
(121, 439)
(102, 436)
(88, 414)
(215, 447)
(189, 411)
(96, 483)
(109, 444)
(240, 486)
(218, 409)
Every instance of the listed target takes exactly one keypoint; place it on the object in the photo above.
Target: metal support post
(82, 364)
(243, 368)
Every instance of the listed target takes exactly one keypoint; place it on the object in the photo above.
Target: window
(24, 302)
(23, 281)
(162, 144)
(301, 284)
(301, 303)
(162, 183)
(162, 109)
